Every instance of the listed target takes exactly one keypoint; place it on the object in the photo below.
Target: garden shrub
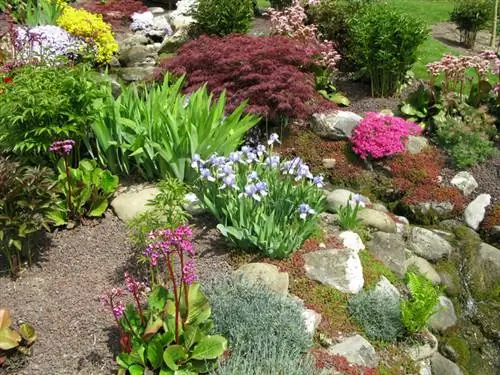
(384, 45)
(470, 16)
(379, 135)
(115, 12)
(416, 311)
(260, 201)
(91, 28)
(222, 17)
(158, 131)
(273, 73)
(378, 313)
(26, 197)
(277, 334)
(280, 4)
(41, 104)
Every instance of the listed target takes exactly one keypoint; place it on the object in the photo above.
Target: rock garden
(234, 187)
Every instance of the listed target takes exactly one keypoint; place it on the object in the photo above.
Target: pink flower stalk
(133, 286)
(108, 301)
(379, 135)
(166, 241)
(118, 309)
(62, 147)
(189, 272)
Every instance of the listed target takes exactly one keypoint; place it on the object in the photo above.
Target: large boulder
(429, 245)
(340, 197)
(465, 182)
(351, 240)
(357, 350)
(424, 267)
(133, 202)
(138, 56)
(475, 210)
(443, 366)
(265, 274)
(336, 126)
(377, 219)
(339, 268)
(444, 317)
(389, 248)
(485, 268)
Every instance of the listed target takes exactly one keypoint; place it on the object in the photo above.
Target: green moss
(461, 348)
(373, 269)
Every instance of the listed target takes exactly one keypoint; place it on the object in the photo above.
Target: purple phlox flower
(304, 210)
(273, 138)
(251, 157)
(318, 181)
(289, 166)
(189, 272)
(252, 176)
(229, 181)
(62, 147)
(261, 150)
(206, 174)
(357, 200)
(196, 161)
(303, 172)
(273, 161)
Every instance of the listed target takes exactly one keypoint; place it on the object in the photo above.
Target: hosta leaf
(209, 347)
(174, 354)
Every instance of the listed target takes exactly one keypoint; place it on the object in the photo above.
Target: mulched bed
(59, 295)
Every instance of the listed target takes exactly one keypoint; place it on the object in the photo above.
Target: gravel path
(59, 295)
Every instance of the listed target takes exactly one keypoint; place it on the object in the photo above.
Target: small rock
(389, 248)
(452, 289)
(157, 11)
(444, 317)
(135, 39)
(377, 219)
(420, 352)
(192, 205)
(138, 56)
(449, 352)
(425, 268)
(129, 204)
(329, 163)
(266, 274)
(443, 366)
(352, 241)
(340, 197)
(465, 182)
(416, 144)
(357, 350)
(339, 268)
(336, 126)
(134, 74)
(380, 207)
(311, 318)
(428, 245)
(475, 211)
(385, 287)
(485, 268)
(172, 42)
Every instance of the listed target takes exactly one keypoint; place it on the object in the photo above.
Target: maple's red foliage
(272, 72)
(115, 11)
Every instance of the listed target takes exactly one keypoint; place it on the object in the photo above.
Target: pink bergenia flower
(62, 147)
(189, 272)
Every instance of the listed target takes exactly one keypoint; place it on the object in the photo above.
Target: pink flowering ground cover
(379, 135)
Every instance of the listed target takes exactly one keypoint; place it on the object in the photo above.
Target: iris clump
(261, 201)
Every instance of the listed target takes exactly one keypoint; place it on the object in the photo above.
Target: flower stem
(176, 297)
(68, 177)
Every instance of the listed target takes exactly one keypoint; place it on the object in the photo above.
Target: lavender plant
(170, 334)
(261, 202)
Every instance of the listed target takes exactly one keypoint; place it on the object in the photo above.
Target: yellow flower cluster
(91, 28)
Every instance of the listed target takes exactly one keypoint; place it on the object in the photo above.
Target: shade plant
(156, 131)
(384, 46)
(260, 201)
(273, 73)
(26, 197)
(169, 333)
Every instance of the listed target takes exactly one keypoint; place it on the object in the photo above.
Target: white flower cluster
(142, 21)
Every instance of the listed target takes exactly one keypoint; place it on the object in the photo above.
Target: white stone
(129, 204)
(429, 245)
(416, 144)
(475, 210)
(352, 240)
(377, 219)
(338, 125)
(424, 267)
(465, 182)
(311, 320)
(192, 204)
(357, 350)
(443, 366)
(385, 287)
(266, 274)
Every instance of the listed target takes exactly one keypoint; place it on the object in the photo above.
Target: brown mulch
(447, 33)
(59, 295)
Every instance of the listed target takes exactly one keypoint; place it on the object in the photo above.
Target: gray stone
(129, 204)
(439, 210)
(389, 248)
(172, 42)
(340, 197)
(444, 317)
(357, 350)
(428, 245)
(138, 56)
(465, 182)
(424, 267)
(416, 144)
(425, 367)
(380, 207)
(134, 74)
(443, 366)
(351, 240)
(329, 163)
(452, 289)
(385, 287)
(420, 352)
(485, 268)
(136, 39)
(475, 210)
(377, 219)
(338, 268)
(192, 205)
(265, 274)
(311, 318)
(338, 125)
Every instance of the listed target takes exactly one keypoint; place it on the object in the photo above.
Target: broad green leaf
(199, 306)
(154, 353)
(174, 354)
(124, 360)
(136, 370)
(98, 208)
(9, 339)
(28, 333)
(209, 347)
(158, 298)
(152, 328)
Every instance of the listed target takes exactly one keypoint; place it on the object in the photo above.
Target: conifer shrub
(272, 73)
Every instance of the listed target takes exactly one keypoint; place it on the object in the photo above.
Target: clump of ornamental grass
(171, 332)
(379, 135)
(261, 201)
